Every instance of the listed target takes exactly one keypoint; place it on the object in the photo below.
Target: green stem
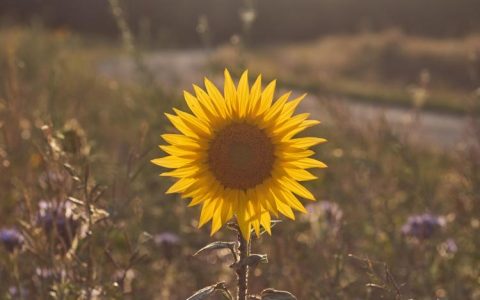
(242, 271)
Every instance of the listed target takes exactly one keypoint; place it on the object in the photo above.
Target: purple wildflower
(43, 274)
(16, 293)
(423, 226)
(168, 242)
(58, 219)
(166, 238)
(11, 238)
(325, 218)
(56, 180)
(448, 248)
(328, 211)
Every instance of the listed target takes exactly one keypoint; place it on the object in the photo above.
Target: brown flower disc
(241, 156)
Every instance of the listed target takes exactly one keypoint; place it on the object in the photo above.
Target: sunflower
(237, 154)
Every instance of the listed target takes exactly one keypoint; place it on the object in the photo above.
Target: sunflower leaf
(272, 294)
(251, 261)
(202, 293)
(225, 292)
(217, 245)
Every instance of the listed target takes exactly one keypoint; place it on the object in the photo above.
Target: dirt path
(181, 68)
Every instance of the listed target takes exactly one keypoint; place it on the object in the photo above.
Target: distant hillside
(277, 20)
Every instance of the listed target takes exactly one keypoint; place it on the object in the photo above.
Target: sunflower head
(236, 154)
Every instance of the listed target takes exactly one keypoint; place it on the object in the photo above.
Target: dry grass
(378, 67)
(376, 179)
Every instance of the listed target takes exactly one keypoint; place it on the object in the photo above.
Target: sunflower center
(241, 156)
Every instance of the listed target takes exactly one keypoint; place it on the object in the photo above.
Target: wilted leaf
(251, 261)
(225, 292)
(272, 294)
(217, 245)
(203, 293)
(207, 291)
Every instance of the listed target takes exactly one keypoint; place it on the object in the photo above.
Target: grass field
(70, 135)
(388, 67)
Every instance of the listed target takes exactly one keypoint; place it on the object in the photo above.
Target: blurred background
(84, 85)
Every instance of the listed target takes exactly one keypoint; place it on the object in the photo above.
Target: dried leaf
(203, 293)
(144, 237)
(217, 245)
(209, 290)
(76, 201)
(225, 292)
(272, 294)
(70, 169)
(98, 214)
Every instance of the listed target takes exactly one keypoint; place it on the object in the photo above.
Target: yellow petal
(254, 215)
(306, 142)
(296, 187)
(181, 141)
(263, 195)
(227, 211)
(190, 171)
(181, 185)
(280, 203)
(206, 102)
(176, 151)
(255, 94)
(230, 93)
(181, 126)
(196, 201)
(256, 226)
(266, 222)
(207, 212)
(217, 216)
(289, 109)
(234, 197)
(195, 106)
(289, 156)
(266, 98)
(199, 127)
(285, 209)
(306, 163)
(300, 174)
(243, 94)
(293, 201)
(305, 124)
(217, 98)
(171, 162)
(243, 223)
(276, 108)
(287, 127)
(203, 193)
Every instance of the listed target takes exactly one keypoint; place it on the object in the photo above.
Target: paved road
(180, 68)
